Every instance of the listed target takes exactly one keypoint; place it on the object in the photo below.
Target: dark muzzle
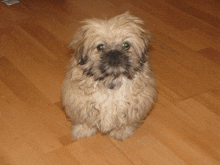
(115, 58)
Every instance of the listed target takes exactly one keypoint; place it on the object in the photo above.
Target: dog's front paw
(122, 133)
(80, 131)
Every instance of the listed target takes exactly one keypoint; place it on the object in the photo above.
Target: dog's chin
(113, 80)
(114, 84)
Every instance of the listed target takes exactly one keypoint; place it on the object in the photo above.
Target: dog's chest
(109, 97)
(111, 105)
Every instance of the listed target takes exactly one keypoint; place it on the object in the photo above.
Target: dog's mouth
(113, 65)
(115, 84)
(111, 68)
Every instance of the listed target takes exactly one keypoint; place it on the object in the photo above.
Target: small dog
(109, 84)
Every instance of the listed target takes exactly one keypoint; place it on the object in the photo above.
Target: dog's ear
(145, 36)
(80, 55)
(77, 44)
(144, 57)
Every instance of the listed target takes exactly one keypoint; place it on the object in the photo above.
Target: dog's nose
(115, 58)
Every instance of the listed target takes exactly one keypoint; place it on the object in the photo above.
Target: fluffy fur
(109, 84)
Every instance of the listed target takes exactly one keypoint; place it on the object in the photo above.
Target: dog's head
(110, 49)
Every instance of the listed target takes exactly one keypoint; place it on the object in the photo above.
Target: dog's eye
(100, 47)
(126, 45)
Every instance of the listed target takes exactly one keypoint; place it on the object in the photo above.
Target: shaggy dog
(109, 84)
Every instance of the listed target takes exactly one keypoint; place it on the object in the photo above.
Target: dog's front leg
(80, 131)
(123, 132)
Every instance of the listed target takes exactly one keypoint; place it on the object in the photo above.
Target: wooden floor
(184, 126)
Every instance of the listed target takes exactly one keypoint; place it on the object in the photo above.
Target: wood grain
(184, 126)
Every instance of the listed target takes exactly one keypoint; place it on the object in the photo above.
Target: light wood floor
(184, 126)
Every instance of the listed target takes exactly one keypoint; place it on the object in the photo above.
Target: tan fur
(90, 104)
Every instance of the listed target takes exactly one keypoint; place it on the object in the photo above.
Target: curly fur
(111, 94)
